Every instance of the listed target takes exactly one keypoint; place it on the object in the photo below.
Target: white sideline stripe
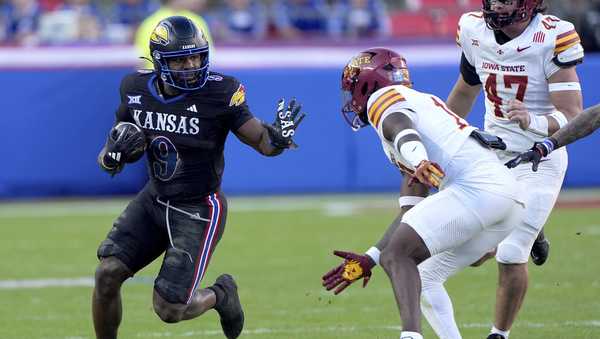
(43, 283)
(62, 282)
(339, 206)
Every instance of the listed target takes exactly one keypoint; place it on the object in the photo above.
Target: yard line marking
(63, 282)
(42, 283)
(331, 206)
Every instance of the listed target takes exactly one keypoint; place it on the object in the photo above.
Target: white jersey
(442, 132)
(518, 69)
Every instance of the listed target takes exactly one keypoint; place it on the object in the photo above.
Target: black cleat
(540, 249)
(229, 307)
(495, 336)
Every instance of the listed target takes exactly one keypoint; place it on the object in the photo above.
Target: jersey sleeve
(565, 50)
(384, 103)
(122, 112)
(468, 72)
(462, 34)
(239, 112)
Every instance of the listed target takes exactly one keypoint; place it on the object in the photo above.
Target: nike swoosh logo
(519, 49)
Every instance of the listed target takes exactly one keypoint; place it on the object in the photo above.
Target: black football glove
(126, 143)
(534, 155)
(286, 122)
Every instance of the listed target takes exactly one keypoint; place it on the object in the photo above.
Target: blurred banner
(60, 103)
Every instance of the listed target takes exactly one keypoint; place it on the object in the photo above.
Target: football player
(179, 114)
(525, 63)
(581, 126)
(478, 203)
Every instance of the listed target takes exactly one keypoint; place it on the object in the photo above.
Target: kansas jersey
(518, 69)
(442, 132)
(185, 134)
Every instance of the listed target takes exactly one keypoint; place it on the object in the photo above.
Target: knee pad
(175, 277)
(108, 248)
(511, 253)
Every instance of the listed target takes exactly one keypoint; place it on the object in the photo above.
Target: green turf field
(278, 249)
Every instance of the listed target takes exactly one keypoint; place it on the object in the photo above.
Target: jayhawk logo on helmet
(160, 35)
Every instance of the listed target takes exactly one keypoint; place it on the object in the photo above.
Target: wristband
(374, 253)
(538, 124)
(560, 118)
(409, 200)
(548, 146)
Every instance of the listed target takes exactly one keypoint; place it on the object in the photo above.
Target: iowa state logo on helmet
(238, 97)
(160, 35)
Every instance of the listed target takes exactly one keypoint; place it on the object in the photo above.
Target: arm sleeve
(468, 72)
(122, 112)
(566, 50)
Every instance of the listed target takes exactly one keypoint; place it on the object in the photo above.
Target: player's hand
(284, 127)
(534, 155)
(429, 173)
(354, 267)
(126, 143)
(518, 113)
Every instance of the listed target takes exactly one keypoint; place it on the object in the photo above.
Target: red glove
(354, 267)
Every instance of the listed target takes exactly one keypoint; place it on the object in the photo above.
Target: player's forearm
(461, 100)
(581, 126)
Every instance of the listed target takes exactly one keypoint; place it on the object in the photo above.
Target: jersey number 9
(163, 158)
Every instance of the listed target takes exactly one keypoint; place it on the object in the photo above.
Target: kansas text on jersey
(185, 134)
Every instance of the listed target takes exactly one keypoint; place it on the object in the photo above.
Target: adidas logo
(115, 155)
(192, 108)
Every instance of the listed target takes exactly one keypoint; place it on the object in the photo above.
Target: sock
(502, 333)
(437, 309)
(410, 335)
(219, 293)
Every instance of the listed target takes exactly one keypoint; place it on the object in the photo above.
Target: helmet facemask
(187, 79)
(350, 110)
(523, 11)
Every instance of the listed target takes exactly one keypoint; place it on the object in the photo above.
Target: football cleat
(495, 336)
(540, 250)
(229, 307)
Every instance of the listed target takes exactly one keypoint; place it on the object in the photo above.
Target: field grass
(277, 249)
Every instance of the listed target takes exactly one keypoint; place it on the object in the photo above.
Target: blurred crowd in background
(103, 22)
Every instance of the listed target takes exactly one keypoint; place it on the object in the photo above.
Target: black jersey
(185, 134)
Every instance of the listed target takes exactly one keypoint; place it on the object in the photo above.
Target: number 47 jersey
(518, 69)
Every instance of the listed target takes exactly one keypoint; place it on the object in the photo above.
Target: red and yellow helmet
(367, 72)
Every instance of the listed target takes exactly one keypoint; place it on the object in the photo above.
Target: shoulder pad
(567, 45)
(550, 22)
(468, 23)
(128, 82)
(215, 77)
(569, 57)
(386, 97)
